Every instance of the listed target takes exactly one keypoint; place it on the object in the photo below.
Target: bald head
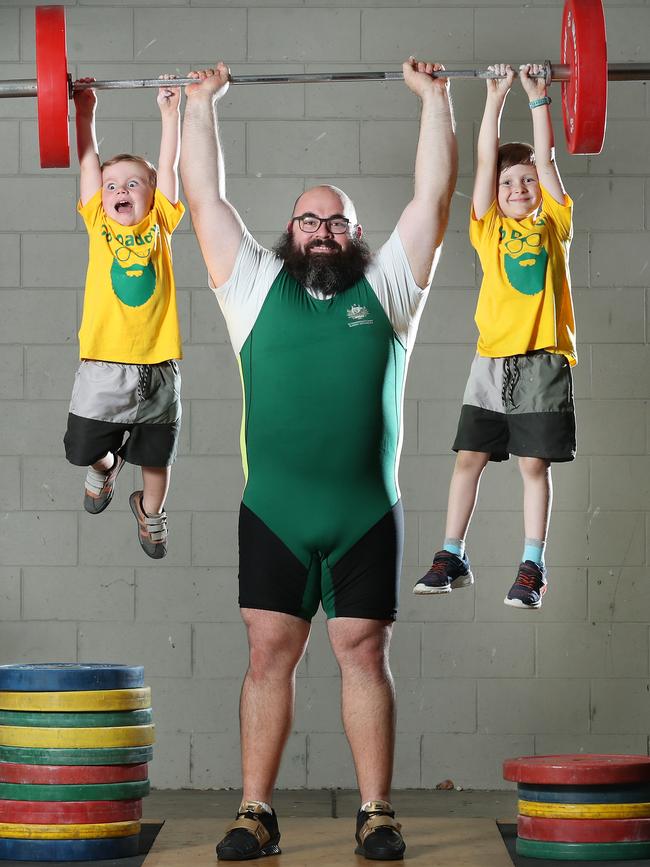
(325, 200)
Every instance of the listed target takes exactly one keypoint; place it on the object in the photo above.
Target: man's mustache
(323, 242)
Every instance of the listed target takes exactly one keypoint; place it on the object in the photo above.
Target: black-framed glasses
(516, 245)
(310, 223)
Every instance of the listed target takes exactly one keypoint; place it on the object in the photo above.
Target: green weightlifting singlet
(323, 384)
(322, 410)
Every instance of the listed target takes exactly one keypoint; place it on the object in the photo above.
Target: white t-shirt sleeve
(241, 297)
(400, 296)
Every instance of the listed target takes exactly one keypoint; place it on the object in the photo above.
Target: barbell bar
(583, 73)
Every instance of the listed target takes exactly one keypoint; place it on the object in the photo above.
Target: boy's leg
(148, 507)
(463, 492)
(530, 583)
(155, 481)
(450, 567)
(538, 496)
(152, 445)
(103, 465)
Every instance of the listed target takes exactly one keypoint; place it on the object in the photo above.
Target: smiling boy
(519, 396)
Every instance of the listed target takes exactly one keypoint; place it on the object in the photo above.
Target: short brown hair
(134, 158)
(514, 153)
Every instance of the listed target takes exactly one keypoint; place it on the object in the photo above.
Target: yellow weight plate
(18, 831)
(584, 811)
(86, 738)
(83, 700)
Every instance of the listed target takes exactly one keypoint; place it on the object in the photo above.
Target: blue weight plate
(69, 850)
(69, 676)
(556, 794)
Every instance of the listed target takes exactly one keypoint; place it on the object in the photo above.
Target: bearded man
(322, 331)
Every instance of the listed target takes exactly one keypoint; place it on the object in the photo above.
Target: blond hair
(150, 169)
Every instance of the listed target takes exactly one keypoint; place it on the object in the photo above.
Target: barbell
(583, 73)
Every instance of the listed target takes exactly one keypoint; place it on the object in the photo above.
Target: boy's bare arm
(217, 224)
(424, 220)
(170, 140)
(485, 182)
(90, 173)
(543, 138)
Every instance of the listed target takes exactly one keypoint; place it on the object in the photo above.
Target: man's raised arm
(216, 223)
(424, 220)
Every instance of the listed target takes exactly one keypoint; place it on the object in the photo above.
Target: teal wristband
(543, 100)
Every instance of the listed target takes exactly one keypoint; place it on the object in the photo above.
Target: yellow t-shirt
(525, 298)
(129, 312)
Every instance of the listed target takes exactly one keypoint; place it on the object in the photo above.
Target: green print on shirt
(133, 277)
(525, 262)
(133, 284)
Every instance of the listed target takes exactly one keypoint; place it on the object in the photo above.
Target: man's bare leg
(276, 643)
(368, 706)
(367, 700)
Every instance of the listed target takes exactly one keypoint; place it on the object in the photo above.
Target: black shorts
(111, 400)
(521, 405)
(364, 582)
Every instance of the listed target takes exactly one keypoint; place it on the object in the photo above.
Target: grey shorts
(111, 400)
(521, 405)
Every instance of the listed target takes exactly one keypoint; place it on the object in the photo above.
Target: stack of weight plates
(582, 807)
(74, 745)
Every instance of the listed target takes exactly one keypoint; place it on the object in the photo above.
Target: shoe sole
(390, 857)
(517, 603)
(456, 584)
(272, 849)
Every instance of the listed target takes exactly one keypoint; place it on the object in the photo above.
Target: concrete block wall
(476, 681)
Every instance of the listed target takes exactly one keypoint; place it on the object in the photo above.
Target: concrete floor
(332, 803)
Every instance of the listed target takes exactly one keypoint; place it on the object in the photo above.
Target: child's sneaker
(99, 487)
(446, 573)
(529, 587)
(152, 529)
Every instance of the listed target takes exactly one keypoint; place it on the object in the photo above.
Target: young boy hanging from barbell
(519, 396)
(128, 381)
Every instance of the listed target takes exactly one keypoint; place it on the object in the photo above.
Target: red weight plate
(584, 96)
(578, 770)
(52, 87)
(11, 772)
(583, 830)
(70, 812)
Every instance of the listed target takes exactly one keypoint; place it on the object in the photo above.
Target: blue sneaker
(446, 573)
(529, 587)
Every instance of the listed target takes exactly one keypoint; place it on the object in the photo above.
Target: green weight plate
(112, 756)
(75, 720)
(91, 792)
(582, 851)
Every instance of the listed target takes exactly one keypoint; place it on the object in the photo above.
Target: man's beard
(325, 273)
